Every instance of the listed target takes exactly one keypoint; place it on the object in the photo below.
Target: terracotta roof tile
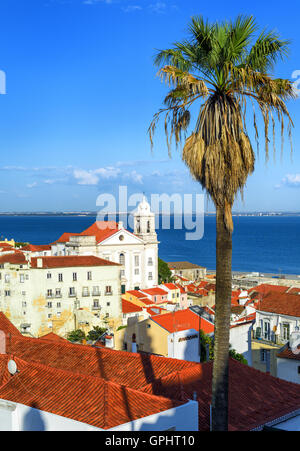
(183, 320)
(71, 261)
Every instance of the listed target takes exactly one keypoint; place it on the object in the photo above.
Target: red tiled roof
(155, 291)
(71, 261)
(65, 237)
(265, 288)
(106, 382)
(129, 307)
(285, 304)
(101, 230)
(7, 326)
(37, 247)
(136, 293)
(183, 320)
(87, 399)
(53, 337)
(171, 286)
(255, 398)
(287, 353)
(16, 258)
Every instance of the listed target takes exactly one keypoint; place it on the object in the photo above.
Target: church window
(122, 259)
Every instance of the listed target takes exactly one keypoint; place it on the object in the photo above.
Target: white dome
(143, 208)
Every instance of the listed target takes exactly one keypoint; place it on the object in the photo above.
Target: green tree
(222, 72)
(76, 335)
(164, 273)
(96, 333)
(206, 340)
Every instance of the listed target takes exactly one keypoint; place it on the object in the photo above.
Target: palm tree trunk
(222, 325)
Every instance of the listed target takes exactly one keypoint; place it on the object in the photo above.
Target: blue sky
(81, 90)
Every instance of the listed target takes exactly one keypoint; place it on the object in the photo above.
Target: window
(108, 304)
(49, 304)
(108, 289)
(74, 276)
(148, 226)
(24, 304)
(58, 314)
(122, 273)
(122, 259)
(95, 303)
(49, 293)
(71, 291)
(22, 278)
(89, 275)
(267, 330)
(96, 291)
(49, 275)
(58, 292)
(85, 291)
(60, 277)
(286, 331)
(136, 260)
(150, 261)
(58, 305)
(49, 315)
(7, 278)
(7, 293)
(264, 354)
(136, 271)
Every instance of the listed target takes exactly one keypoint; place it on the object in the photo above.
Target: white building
(137, 252)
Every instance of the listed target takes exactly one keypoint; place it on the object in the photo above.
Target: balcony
(96, 307)
(72, 295)
(108, 293)
(85, 293)
(96, 293)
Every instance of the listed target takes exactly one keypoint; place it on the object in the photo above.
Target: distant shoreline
(92, 214)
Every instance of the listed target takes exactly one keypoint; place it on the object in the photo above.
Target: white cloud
(291, 180)
(132, 8)
(92, 176)
(31, 185)
(85, 177)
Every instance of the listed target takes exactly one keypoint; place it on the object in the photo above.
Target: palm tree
(220, 71)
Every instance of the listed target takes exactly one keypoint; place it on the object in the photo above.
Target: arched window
(122, 259)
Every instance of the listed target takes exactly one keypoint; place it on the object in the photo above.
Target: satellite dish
(12, 367)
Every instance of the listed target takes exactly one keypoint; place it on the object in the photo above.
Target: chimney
(2, 342)
(39, 262)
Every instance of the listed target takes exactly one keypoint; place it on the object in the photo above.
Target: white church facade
(137, 252)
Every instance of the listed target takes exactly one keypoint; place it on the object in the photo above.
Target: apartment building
(58, 294)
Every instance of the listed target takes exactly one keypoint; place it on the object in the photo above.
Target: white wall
(182, 418)
(180, 348)
(288, 369)
(238, 340)
(18, 417)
